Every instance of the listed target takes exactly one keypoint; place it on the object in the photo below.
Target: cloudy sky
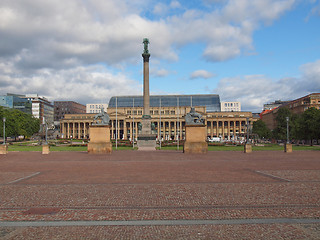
(89, 50)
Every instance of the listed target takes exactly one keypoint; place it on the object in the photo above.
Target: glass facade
(16, 102)
(210, 101)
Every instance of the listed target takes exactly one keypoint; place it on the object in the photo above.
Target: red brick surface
(160, 185)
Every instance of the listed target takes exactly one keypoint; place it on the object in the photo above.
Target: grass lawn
(23, 148)
(268, 147)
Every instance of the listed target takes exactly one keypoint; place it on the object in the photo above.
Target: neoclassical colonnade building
(167, 117)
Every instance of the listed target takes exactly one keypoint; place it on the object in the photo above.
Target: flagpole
(178, 123)
(133, 122)
(116, 122)
(160, 124)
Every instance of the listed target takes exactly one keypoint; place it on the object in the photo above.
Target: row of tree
(18, 123)
(305, 126)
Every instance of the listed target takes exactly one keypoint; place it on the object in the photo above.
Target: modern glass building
(16, 101)
(210, 101)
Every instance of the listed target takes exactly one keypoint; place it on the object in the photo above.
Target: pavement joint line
(74, 208)
(166, 183)
(160, 222)
(273, 176)
(24, 178)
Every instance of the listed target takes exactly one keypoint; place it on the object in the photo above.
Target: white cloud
(201, 74)
(83, 84)
(51, 41)
(255, 90)
(159, 72)
(175, 4)
(164, 9)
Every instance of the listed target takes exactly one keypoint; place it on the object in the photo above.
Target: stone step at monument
(146, 149)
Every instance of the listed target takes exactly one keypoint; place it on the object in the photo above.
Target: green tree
(308, 125)
(280, 132)
(261, 129)
(19, 123)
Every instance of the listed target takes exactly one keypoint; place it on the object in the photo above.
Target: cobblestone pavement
(161, 185)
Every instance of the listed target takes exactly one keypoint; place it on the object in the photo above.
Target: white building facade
(230, 106)
(41, 108)
(96, 107)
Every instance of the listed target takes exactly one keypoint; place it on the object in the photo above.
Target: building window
(139, 112)
(129, 112)
(173, 112)
(156, 112)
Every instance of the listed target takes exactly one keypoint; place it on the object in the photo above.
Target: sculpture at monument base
(196, 132)
(100, 134)
(194, 118)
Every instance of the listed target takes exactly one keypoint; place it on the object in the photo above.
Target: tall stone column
(146, 95)
(146, 140)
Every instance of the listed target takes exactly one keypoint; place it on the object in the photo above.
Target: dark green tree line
(18, 123)
(308, 125)
(261, 129)
(305, 126)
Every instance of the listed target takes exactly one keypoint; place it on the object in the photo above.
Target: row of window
(152, 112)
(95, 111)
(97, 106)
(231, 104)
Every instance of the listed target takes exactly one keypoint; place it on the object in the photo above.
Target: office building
(16, 101)
(96, 107)
(67, 107)
(230, 106)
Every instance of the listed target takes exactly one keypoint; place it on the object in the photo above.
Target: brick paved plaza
(160, 195)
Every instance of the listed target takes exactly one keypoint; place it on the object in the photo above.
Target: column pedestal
(288, 148)
(99, 140)
(247, 148)
(146, 140)
(3, 149)
(45, 149)
(195, 139)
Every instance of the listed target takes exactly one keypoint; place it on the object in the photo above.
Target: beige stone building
(167, 117)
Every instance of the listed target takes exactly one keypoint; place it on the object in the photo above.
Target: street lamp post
(287, 119)
(45, 130)
(4, 130)
(132, 123)
(247, 146)
(247, 130)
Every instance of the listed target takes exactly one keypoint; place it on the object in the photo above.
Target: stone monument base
(288, 148)
(195, 139)
(3, 149)
(99, 139)
(247, 148)
(195, 147)
(45, 149)
(146, 140)
(98, 148)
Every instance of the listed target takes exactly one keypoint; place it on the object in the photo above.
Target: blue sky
(90, 50)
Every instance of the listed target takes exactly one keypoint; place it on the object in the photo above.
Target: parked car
(214, 139)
